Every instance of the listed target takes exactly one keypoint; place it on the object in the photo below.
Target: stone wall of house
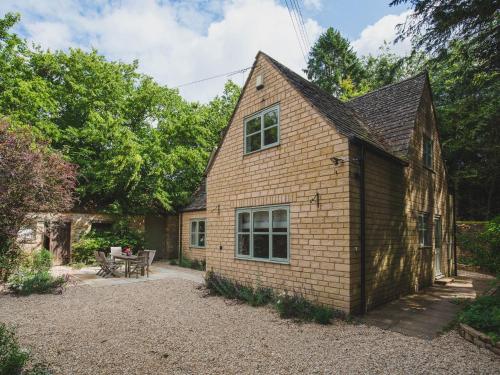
(188, 251)
(289, 174)
(395, 263)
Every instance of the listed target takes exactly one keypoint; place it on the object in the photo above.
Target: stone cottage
(345, 203)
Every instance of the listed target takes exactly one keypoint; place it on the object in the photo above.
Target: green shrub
(222, 286)
(41, 260)
(25, 282)
(14, 359)
(480, 245)
(172, 262)
(484, 315)
(294, 306)
(194, 264)
(120, 235)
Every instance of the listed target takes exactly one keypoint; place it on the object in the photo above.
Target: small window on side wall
(197, 233)
(27, 234)
(423, 228)
(428, 145)
(262, 130)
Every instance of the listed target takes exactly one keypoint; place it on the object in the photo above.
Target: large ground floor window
(263, 233)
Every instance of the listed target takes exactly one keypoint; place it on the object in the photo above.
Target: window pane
(253, 125)
(244, 222)
(270, 136)
(253, 142)
(243, 244)
(280, 222)
(261, 246)
(271, 118)
(193, 226)
(261, 221)
(193, 239)
(201, 226)
(201, 239)
(280, 245)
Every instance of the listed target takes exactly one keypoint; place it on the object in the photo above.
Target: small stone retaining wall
(478, 338)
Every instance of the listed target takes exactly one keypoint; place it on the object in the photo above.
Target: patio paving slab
(425, 314)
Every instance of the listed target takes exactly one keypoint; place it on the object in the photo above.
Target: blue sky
(182, 41)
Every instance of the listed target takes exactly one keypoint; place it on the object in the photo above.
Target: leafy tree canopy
(140, 147)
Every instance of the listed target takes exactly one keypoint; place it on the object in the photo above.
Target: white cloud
(175, 43)
(384, 30)
(313, 4)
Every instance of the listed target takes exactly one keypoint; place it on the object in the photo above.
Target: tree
(331, 61)
(32, 178)
(434, 24)
(139, 146)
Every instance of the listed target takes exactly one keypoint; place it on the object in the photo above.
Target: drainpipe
(455, 260)
(362, 227)
(180, 238)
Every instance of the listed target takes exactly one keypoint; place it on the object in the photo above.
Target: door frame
(438, 246)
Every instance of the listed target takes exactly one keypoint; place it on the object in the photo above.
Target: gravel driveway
(168, 327)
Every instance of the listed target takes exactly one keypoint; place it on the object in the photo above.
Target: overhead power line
(229, 74)
(298, 9)
(297, 33)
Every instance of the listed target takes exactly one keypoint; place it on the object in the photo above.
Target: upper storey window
(428, 151)
(262, 130)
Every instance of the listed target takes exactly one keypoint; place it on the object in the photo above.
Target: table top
(125, 257)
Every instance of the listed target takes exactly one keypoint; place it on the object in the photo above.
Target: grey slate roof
(390, 112)
(199, 198)
(343, 117)
(383, 118)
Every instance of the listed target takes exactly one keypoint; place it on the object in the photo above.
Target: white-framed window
(423, 228)
(263, 233)
(428, 145)
(197, 232)
(27, 234)
(262, 130)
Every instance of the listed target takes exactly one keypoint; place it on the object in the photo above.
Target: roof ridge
(424, 72)
(344, 105)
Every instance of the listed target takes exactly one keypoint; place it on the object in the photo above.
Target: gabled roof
(390, 111)
(342, 116)
(383, 119)
(199, 198)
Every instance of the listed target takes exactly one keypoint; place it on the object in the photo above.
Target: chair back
(102, 256)
(151, 255)
(97, 255)
(115, 250)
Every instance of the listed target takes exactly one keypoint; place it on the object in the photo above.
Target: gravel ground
(168, 327)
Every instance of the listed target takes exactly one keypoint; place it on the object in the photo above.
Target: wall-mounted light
(315, 199)
(337, 161)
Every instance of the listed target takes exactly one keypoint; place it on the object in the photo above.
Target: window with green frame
(197, 233)
(424, 230)
(428, 144)
(262, 130)
(263, 233)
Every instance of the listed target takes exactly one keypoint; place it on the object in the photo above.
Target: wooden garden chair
(144, 260)
(108, 267)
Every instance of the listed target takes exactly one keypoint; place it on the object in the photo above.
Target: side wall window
(428, 145)
(263, 233)
(197, 232)
(423, 227)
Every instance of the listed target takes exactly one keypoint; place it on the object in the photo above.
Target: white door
(437, 246)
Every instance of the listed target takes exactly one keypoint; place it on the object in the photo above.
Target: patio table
(127, 259)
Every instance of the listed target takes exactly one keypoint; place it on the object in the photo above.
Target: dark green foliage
(332, 61)
(480, 245)
(34, 275)
(24, 282)
(294, 306)
(13, 359)
(484, 315)
(289, 306)
(222, 286)
(121, 234)
(140, 147)
(194, 264)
